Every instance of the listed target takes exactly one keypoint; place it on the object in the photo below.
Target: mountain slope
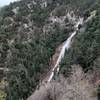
(30, 31)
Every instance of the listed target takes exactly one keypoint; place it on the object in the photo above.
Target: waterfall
(66, 45)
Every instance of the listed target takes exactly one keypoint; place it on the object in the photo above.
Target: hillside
(32, 31)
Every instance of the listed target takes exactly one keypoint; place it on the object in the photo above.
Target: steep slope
(30, 31)
(85, 49)
(78, 86)
(84, 87)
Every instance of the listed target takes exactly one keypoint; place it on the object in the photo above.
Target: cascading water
(66, 45)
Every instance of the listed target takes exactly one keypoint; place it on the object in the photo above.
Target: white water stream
(66, 46)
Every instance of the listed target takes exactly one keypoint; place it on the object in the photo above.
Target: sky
(6, 2)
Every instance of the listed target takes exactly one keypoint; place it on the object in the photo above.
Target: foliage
(98, 92)
(39, 15)
(2, 95)
(86, 47)
(66, 64)
(98, 89)
(26, 51)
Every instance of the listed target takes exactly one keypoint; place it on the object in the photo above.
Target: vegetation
(86, 47)
(26, 60)
(2, 95)
(27, 51)
(98, 92)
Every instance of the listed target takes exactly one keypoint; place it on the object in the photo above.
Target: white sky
(6, 2)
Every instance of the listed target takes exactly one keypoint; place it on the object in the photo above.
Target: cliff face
(31, 31)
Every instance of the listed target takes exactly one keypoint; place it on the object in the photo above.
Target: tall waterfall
(66, 45)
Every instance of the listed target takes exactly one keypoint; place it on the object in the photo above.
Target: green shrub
(2, 95)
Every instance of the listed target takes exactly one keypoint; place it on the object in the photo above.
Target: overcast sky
(6, 2)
